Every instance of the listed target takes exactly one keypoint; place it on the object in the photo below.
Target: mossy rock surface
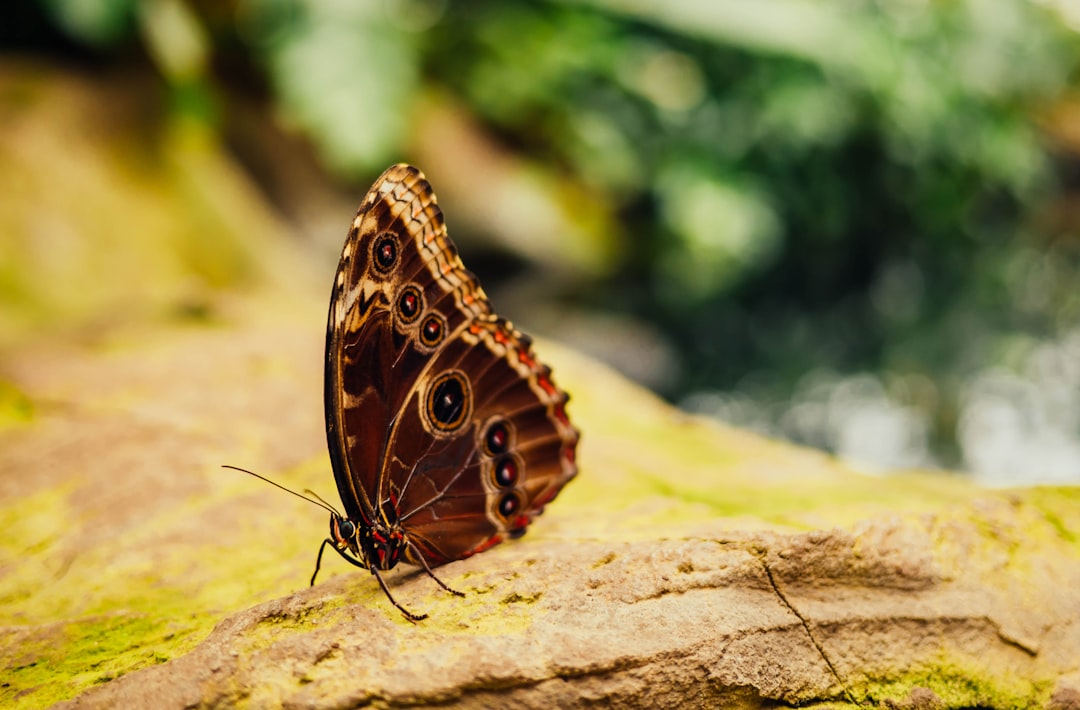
(687, 563)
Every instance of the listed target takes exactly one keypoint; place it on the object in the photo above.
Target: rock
(688, 564)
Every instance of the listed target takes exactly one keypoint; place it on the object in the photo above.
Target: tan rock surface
(652, 580)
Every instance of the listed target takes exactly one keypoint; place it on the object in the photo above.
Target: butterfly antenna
(319, 498)
(313, 499)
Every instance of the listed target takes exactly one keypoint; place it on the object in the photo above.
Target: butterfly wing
(438, 414)
(374, 352)
(491, 464)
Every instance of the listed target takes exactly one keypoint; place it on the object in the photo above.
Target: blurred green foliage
(803, 186)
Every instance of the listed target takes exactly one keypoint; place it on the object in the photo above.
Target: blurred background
(849, 223)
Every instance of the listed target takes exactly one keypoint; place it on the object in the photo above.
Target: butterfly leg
(386, 590)
(361, 564)
(431, 574)
(318, 560)
(344, 554)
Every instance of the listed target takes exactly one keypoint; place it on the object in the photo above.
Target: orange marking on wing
(547, 385)
(544, 498)
(526, 359)
(485, 545)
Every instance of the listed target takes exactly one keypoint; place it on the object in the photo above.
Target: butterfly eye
(346, 529)
(385, 252)
(449, 402)
(410, 303)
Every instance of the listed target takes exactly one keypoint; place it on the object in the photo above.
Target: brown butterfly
(446, 435)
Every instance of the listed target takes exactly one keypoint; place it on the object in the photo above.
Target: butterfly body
(446, 436)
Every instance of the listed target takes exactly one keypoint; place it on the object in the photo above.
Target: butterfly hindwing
(510, 453)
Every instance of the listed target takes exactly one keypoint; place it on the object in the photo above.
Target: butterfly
(446, 435)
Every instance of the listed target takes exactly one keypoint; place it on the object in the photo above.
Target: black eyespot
(509, 504)
(385, 252)
(431, 332)
(506, 472)
(497, 438)
(410, 303)
(449, 402)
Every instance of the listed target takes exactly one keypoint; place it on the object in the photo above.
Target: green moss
(30, 526)
(515, 598)
(49, 667)
(1060, 508)
(1035, 518)
(713, 472)
(605, 560)
(105, 610)
(16, 407)
(960, 685)
(1062, 529)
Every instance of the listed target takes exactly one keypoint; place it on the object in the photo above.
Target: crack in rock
(806, 625)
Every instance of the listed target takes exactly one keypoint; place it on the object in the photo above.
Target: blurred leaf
(344, 72)
(96, 22)
(175, 38)
(725, 232)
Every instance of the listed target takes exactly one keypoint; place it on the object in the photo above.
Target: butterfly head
(378, 545)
